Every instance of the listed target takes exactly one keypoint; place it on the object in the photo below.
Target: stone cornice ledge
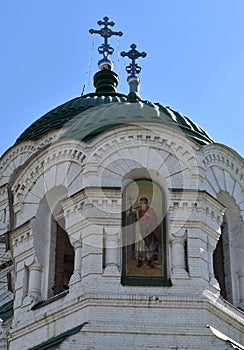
(222, 308)
(155, 299)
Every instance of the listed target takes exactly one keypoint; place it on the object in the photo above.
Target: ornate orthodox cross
(105, 49)
(133, 69)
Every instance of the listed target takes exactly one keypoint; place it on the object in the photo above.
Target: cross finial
(105, 49)
(133, 69)
(133, 54)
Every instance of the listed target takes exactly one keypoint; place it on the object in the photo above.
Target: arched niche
(144, 229)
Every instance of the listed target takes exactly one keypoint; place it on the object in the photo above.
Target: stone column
(111, 251)
(35, 279)
(178, 241)
(76, 277)
(212, 279)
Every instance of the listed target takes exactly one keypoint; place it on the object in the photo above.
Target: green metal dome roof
(89, 115)
(61, 115)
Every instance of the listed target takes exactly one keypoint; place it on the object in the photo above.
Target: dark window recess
(186, 255)
(219, 270)
(64, 260)
(221, 262)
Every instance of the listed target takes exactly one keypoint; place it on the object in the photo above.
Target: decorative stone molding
(174, 159)
(18, 154)
(133, 147)
(225, 158)
(21, 239)
(145, 134)
(94, 202)
(54, 167)
(191, 207)
(49, 138)
(224, 172)
(38, 167)
(14, 158)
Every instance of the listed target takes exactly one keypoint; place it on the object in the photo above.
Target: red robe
(143, 216)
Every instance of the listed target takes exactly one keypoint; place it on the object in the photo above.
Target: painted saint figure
(147, 233)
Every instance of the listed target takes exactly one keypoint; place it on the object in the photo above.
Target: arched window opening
(144, 234)
(228, 258)
(51, 242)
(61, 256)
(221, 260)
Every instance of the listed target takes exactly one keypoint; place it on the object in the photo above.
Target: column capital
(178, 237)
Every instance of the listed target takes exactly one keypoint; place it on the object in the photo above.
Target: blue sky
(194, 63)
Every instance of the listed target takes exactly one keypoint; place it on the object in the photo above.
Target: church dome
(89, 115)
(58, 117)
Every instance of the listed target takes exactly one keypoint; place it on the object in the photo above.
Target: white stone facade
(86, 180)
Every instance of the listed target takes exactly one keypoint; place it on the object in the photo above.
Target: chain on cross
(105, 49)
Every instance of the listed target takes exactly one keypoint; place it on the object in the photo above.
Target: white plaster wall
(128, 317)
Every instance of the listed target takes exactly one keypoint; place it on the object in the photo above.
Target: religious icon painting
(144, 241)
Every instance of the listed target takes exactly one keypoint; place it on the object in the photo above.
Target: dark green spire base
(105, 80)
(133, 96)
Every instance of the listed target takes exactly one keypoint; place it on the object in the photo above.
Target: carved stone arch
(19, 154)
(15, 157)
(61, 164)
(224, 180)
(224, 172)
(10, 163)
(134, 147)
(158, 136)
